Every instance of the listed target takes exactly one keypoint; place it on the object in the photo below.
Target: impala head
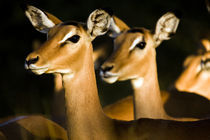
(66, 43)
(196, 76)
(134, 50)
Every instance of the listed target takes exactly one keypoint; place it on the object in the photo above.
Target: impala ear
(166, 26)
(42, 21)
(116, 27)
(98, 23)
(188, 60)
(206, 44)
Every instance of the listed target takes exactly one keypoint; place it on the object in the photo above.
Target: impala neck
(85, 118)
(147, 97)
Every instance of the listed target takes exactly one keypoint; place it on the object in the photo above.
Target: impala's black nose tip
(32, 61)
(107, 68)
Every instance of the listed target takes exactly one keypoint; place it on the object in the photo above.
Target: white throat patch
(138, 82)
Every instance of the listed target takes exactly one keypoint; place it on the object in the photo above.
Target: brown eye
(74, 38)
(141, 45)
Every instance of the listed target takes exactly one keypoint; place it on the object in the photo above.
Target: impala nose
(104, 71)
(107, 68)
(30, 61)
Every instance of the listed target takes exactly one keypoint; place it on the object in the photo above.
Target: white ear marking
(114, 28)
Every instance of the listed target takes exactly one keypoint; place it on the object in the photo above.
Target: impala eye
(205, 64)
(141, 45)
(74, 38)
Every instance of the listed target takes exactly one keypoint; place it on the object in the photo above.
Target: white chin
(111, 80)
(39, 72)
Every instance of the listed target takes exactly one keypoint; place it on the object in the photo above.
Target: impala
(134, 58)
(196, 76)
(122, 110)
(69, 51)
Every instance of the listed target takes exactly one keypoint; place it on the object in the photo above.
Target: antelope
(119, 110)
(134, 58)
(68, 51)
(31, 127)
(196, 77)
(135, 48)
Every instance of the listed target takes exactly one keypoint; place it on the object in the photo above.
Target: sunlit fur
(196, 76)
(31, 127)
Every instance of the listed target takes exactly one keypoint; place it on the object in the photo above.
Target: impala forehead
(64, 31)
(129, 39)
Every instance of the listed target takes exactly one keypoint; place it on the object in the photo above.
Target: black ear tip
(24, 6)
(108, 10)
(177, 13)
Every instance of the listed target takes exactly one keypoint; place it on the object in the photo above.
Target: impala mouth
(39, 71)
(109, 77)
(36, 70)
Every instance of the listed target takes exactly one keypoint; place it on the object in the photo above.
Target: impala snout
(31, 63)
(31, 60)
(107, 75)
(105, 70)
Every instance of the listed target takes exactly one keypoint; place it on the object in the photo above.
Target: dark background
(22, 92)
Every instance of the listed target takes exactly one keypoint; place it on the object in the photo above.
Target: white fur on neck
(138, 82)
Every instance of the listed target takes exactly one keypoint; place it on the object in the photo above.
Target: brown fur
(194, 80)
(31, 127)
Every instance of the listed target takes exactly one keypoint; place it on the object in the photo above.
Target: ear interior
(166, 27)
(42, 21)
(98, 23)
(117, 26)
